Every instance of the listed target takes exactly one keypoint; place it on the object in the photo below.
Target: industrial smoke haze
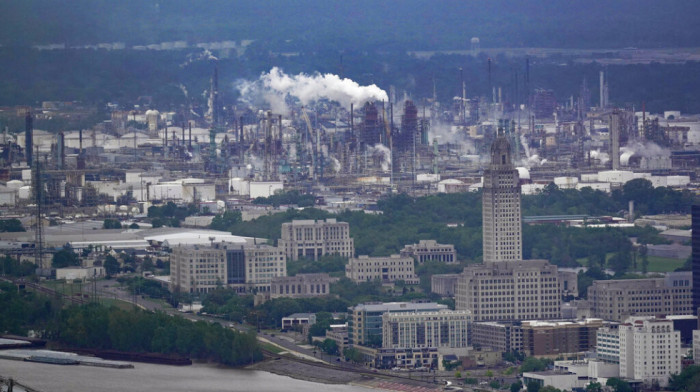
(381, 156)
(643, 149)
(275, 87)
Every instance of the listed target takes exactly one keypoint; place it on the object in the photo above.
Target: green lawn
(663, 264)
(271, 347)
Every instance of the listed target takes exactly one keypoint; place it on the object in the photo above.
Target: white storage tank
(265, 188)
(677, 181)
(427, 177)
(596, 186)
(239, 186)
(25, 192)
(615, 176)
(589, 177)
(14, 184)
(532, 189)
(566, 182)
(658, 181)
(165, 191)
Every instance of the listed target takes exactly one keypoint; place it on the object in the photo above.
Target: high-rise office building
(502, 230)
(696, 256)
(505, 287)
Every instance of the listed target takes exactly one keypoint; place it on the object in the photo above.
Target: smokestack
(165, 147)
(61, 150)
(80, 140)
(240, 125)
(631, 211)
(490, 88)
(602, 90)
(182, 142)
(28, 138)
(615, 139)
(190, 139)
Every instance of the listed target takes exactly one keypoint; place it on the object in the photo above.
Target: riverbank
(157, 378)
(347, 376)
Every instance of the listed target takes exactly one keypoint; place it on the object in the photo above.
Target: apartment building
(555, 338)
(445, 328)
(365, 320)
(650, 350)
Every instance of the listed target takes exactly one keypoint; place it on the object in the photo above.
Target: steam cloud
(381, 156)
(642, 149)
(603, 157)
(275, 87)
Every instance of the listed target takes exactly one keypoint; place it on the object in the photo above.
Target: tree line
(101, 327)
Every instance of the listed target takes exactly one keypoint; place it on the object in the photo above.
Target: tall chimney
(28, 138)
(631, 211)
(240, 134)
(602, 90)
(615, 139)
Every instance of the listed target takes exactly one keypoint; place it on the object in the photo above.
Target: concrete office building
(501, 337)
(510, 291)
(445, 328)
(365, 320)
(615, 300)
(608, 344)
(555, 338)
(201, 268)
(695, 242)
(430, 250)
(300, 286)
(385, 269)
(650, 350)
(313, 239)
(444, 284)
(505, 287)
(502, 231)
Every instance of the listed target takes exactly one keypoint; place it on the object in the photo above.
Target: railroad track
(365, 372)
(45, 290)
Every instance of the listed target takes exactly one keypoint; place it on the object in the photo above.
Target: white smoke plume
(335, 165)
(445, 133)
(533, 160)
(523, 142)
(275, 87)
(381, 156)
(603, 157)
(642, 149)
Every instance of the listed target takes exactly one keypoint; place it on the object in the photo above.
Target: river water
(156, 378)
